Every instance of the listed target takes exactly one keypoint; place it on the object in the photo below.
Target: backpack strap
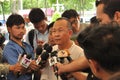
(31, 37)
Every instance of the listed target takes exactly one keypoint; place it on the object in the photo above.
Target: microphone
(44, 56)
(39, 50)
(52, 61)
(48, 49)
(38, 53)
(25, 61)
(64, 54)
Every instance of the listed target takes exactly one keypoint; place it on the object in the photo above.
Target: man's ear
(9, 29)
(94, 66)
(70, 32)
(117, 16)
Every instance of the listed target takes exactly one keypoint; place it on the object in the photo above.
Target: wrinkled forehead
(60, 24)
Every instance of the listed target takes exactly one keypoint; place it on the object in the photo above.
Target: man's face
(75, 24)
(51, 37)
(17, 31)
(61, 32)
(101, 16)
(41, 26)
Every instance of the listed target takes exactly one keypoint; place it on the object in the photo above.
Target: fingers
(33, 66)
(40, 42)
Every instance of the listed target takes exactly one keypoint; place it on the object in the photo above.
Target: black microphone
(53, 60)
(49, 49)
(45, 46)
(44, 56)
(39, 50)
(38, 53)
(64, 54)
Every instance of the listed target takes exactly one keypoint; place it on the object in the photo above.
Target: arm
(79, 75)
(79, 64)
(4, 68)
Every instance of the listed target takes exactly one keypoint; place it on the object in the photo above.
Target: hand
(17, 68)
(33, 66)
(40, 42)
(60, 68)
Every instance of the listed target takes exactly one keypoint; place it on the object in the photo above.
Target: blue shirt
(10, 55)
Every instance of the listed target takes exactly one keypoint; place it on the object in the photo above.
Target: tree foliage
(79, 5)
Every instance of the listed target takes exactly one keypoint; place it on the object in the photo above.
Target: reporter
(16, 28)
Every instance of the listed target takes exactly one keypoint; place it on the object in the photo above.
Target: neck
(105, 75)
(19, 42)
(66, 45)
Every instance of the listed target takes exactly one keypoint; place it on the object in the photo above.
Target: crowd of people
(90, 54)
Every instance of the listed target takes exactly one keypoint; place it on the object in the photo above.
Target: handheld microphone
(25, 61)
(53, 60)
(48, 48)
(44, 56)
(45, 46)
(38, 53)
(64, 54)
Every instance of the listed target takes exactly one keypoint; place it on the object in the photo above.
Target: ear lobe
(117, 16)
(94, 66)
(9, 29)
(70, 32)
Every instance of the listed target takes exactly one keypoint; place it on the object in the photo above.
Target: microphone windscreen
(54, 53)
(44, 56)
(49, 49)
(29, 56)
(39, 50)
(45, 45)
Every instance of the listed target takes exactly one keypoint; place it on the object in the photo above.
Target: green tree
(79, 5)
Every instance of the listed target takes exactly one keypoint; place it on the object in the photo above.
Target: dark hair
(82, 35)
(14, 19)
(94, 20)
(103, 45)
(97, 2)
(71, 13)
(111, 7)
(36, 15)
(50, 25)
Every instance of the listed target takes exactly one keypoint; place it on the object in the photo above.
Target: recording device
(53, 60)
(26, 60)
(43, 54)
(38, 53)
(64, 54)
(43, 60)
(61, 55)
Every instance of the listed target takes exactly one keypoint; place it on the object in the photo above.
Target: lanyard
(23, 47)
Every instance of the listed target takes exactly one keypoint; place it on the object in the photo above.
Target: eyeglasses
(59, 30)
(74, 21)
